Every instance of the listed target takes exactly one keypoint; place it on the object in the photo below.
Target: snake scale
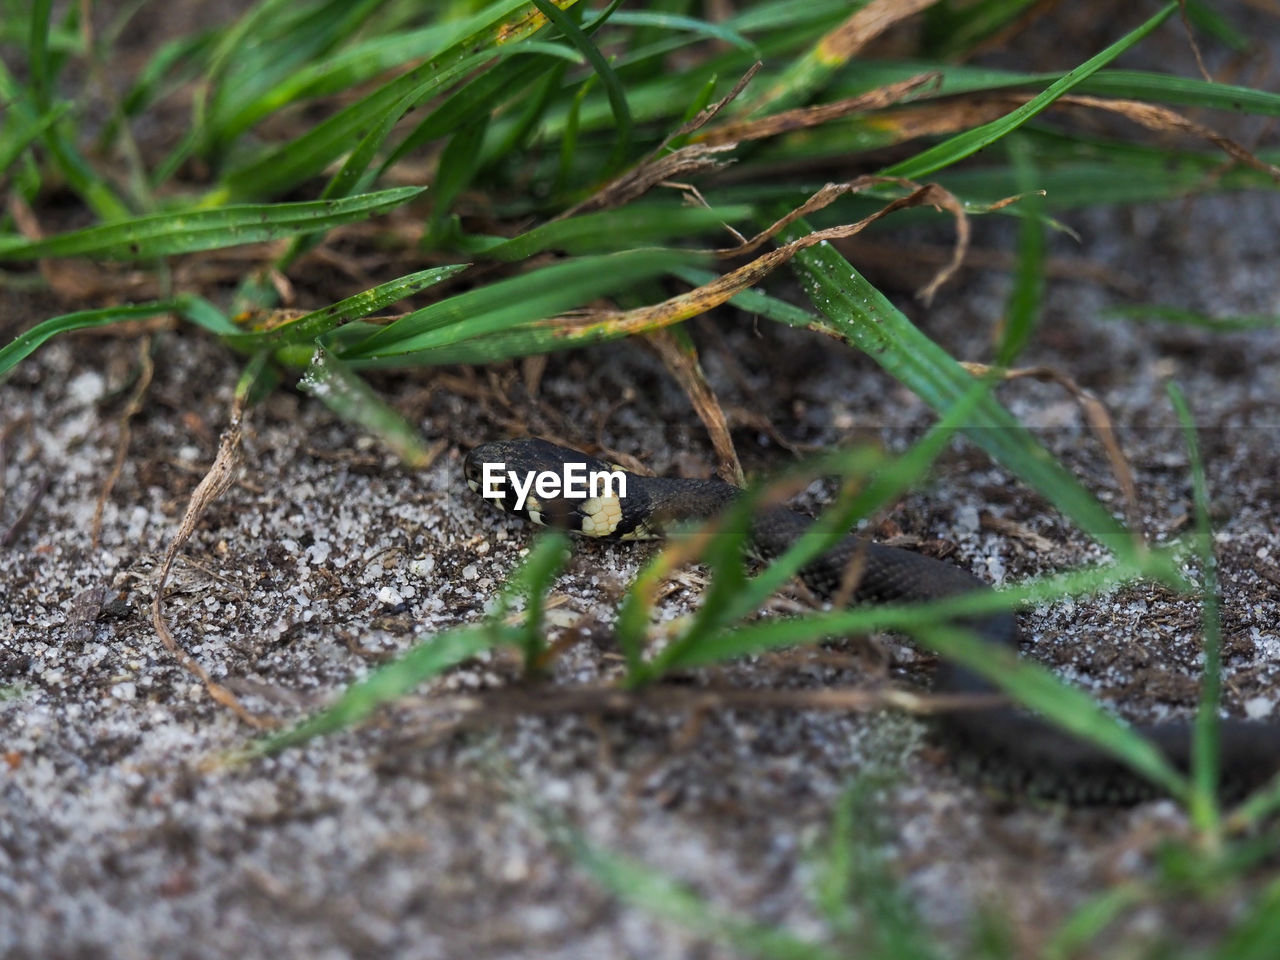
(1002, 746)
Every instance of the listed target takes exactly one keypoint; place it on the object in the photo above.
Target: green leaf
(429, 657)
(340, 389)
(25, 344)
(504, 22)
(613, 87)
(144, 238)
(971, 141)
(530, 582)
(1023, 311)
(319, 322)
(530, 297)
(1204, 745)
(1189, 318)
(634, 225)
(872, 323)
(27, 129)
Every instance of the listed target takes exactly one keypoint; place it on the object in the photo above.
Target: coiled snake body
(1004, 746)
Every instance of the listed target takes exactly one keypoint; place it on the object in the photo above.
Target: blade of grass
(28, 129)
(639, 885)
(971, 141)
(1086, 923)
(340, 389)
(759, 637)
(731, 597)
(457, 165)
(429, 657)
(82, 178)
(872, 323)
(25, 344)
(157, 235)
(613, 87)
(1023, 310)
(633, 225)
(308, 327)
(531, 296)
(1125, 84)
(1255, 936)
(1190, 318)
(1204, 810)
(505, 22)
(675, 22)
(1065, 706)
(530, 582)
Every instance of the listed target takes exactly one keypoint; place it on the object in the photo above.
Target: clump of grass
(551, 133)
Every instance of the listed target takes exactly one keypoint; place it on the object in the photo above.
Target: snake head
(553, 486)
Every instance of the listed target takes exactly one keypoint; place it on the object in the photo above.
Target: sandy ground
(415, 834)
(420, 833)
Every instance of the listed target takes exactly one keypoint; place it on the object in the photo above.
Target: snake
(1003, 746)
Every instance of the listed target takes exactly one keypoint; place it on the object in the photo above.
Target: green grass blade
(1065, 706)
(1023, 311)
(1255, 936)
(157, 235)
(1087, 922)
(1126, 84)
(959, 31)
(641, 886)
(319, 322)
(342, 71)
(25, 344)
(530, 297)
(759, 637)
(613, 87)
(1182, 317)
(634, 225)
(675, 22)
(509, 78)
(27, 130)
(530, 582)
(38, 53)
(80, 176)
(885, 485)
(1204, 750)
(340, 389)
(971, 141)
(504, 22)
(873, 324)
(429, 657)
(457, 166)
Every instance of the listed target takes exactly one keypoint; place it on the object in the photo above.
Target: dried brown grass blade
(867, 24)
(1100, 423)
(802, 118)
(215, 483)
(934, 119)
(682, 363)
(657, 167)
(611, 323)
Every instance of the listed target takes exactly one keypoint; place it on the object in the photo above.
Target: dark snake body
(1003, 746)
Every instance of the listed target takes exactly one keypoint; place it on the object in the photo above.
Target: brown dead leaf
(802, 118)
(865, 25)
(657, 167)
(215, 483)
(613, 323)
(682, 363)
(1099, 421)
